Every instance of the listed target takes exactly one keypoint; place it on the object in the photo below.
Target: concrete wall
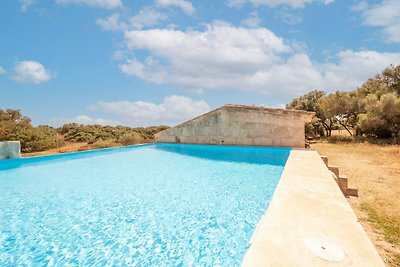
(10, 150)
(242, 125)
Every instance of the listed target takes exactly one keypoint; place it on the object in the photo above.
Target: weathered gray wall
(10, 150)
(242, 125)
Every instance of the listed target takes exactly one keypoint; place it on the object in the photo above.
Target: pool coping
(308, 205)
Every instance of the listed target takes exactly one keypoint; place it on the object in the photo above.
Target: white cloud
(25, 4)
(252, 21)
(354, 68)
(227, 57)
(30, 72)
(2, 70)
(147, 16)
(111, 23)
(173, 110)
(108, 4)
(385, 15)
(275, 3)
(86, 120)
(288, 17)
(186, 6)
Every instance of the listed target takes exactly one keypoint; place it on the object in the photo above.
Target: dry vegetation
(66, 148)
(375, 171)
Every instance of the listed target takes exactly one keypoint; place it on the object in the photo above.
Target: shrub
(345, 139)
(16, 127)
(104, 143)
(91, 133)
(130, 139)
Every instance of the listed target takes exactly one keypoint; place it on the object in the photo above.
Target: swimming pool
(158, 205)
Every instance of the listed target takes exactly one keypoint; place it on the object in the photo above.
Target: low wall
(10, 150)
(242, 125)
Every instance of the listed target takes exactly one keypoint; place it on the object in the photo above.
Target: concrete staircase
(341, 180)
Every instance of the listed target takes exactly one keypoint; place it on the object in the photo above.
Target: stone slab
(10, 150)
(308, 205)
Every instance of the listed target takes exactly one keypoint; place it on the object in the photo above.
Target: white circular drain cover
(325, 249)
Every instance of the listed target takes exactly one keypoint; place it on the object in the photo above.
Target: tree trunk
(344, 126)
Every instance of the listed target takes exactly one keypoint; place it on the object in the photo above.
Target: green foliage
(382, 116)
(391, 77)
(16, 127)
(103, 143)
(390, 229)
(372, 110)
(130, 139)
(73, 132)
(310, 102)
(335, 139)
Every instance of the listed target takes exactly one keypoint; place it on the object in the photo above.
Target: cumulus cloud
(147, 16)
(275, 3)
(173, 110)
(227, 57)
(86, 120)
(385, 15)
(354, 67)
(107, 4)
(2, 70)
(30, 72)
(186, 6)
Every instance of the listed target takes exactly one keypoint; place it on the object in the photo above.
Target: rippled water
(156, 205)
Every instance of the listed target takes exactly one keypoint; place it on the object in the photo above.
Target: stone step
(325, 160)
(352, 192)
(334, 169)
(343, 182)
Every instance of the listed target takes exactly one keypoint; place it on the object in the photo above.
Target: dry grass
(375, 171)
(68, 147)
(79, 146)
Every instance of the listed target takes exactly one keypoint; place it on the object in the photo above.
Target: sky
(141, 63)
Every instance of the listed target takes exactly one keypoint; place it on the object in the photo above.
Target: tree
(16, 127)
(372, 109)
(382, 116)
(340, 108)
(391, 77)
(310, 102)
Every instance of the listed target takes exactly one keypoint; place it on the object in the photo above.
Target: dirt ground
(375, 171)
(68, 147)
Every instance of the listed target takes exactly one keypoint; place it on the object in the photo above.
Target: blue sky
(142, 63)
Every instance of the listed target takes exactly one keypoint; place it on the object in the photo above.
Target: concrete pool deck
(308, 210)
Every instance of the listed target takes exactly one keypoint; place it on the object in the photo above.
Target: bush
(345, 139)
(372, 110)
(130, 139)
(16, 127)
(104, 143)
(91, 133)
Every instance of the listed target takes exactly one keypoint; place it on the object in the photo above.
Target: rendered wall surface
(10, 150)
(242, 125)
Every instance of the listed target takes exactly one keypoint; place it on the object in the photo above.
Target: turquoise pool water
(153, 205)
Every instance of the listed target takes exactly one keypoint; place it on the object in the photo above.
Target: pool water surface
(152, 205)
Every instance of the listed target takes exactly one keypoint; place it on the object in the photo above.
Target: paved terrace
(308, 212)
